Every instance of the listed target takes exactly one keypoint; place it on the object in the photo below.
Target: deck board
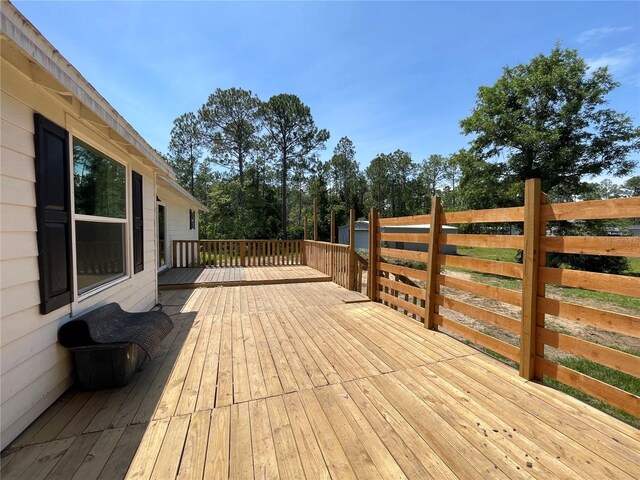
(238, 276)
(294, 381)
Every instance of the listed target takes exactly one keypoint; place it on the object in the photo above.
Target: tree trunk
(300, 204)
(241, 195)
(193, 167)
(284, 195)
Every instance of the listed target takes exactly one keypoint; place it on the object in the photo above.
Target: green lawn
(568, 293)
(613, 377)
(500, 254)
(607, 375)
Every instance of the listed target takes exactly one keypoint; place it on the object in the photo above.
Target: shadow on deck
(175, 278)
(296, 381)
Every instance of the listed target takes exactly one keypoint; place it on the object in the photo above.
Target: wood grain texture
(592, 209)
(315, 387)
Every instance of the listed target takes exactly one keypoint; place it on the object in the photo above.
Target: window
(192, 220)
(100, 217)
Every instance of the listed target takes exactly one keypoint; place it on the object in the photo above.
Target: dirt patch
(568, 327)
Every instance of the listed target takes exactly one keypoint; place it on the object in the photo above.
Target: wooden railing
(330, 258)
(361, 265)
(428, 285)
(236, 253)
(418, 285)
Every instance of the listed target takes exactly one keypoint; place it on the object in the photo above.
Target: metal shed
(362, 236)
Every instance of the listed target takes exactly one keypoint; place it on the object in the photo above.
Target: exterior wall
(362, 239)
(177, 211)
(35, 370)
(362, 235)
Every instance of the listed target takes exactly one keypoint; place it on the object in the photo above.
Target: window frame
(127, 246)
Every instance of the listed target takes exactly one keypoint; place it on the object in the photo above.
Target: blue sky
(387, 75)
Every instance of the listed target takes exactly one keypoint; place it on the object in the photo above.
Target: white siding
(177, 210)
(34, 369)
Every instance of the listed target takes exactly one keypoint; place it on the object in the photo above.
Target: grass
(607, 375)
(634, 266)
(499, 254)
(568, 293)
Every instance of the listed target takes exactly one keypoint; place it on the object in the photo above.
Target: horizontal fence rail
(447, 291)
(441, 290)
(237, 253)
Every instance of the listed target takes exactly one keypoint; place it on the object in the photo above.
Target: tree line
(256, 164)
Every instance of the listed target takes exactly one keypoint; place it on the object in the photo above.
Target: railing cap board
(497, 215)
(592, 209)
(614, 246)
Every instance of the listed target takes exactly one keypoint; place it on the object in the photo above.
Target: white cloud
(618, 60)
(596, 34)
(621, 61)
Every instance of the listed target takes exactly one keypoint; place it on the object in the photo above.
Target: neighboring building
(87, 208)
(362, 236)
(635, 230)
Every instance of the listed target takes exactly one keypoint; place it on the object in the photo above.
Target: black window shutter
(138, 224)
(192, 219)
(53, 214)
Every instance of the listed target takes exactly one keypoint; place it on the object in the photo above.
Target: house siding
(177, 211)
(34, 369)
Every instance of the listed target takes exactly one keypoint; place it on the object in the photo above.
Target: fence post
(174, 254)
(373, 256)
(315, 220)
(352, 249)
(432, 262)
(530, 256)
(542, 262)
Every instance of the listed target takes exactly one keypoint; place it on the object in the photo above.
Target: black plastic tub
(106, 366)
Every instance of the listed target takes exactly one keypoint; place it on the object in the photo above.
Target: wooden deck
(238, 276)
(293, 381)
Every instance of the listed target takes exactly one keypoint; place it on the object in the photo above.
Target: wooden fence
(237, 253)
(330, 258)
(427, 294)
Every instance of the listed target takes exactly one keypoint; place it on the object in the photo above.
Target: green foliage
(486, 253)
(632, 186)
(99, 183)
(185, 149)
(293, 136)
(485, 184)
(346, 188)
(548, 119)
(393, 184)
(607, 375)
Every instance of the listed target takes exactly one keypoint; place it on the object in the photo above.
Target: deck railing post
(243, 245)
(432, 262)
(373, 255)
(315, 220)
(352, 249)
(542, 262)
(174, 254)
(531, 256)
